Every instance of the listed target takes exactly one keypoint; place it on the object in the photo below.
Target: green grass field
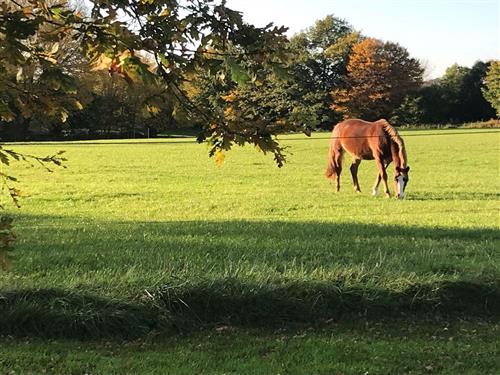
(145, 258)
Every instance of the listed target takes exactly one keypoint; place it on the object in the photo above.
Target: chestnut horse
(367, 141)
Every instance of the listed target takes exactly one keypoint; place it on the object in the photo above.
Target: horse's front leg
(377, 183)
(354, 173)
(383, 173)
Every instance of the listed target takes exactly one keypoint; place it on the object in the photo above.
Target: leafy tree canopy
(122, 36)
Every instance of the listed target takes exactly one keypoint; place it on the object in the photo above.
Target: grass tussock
(60, 314)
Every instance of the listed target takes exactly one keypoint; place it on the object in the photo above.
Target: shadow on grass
(51, 313)
(312, 231)
(216, 299)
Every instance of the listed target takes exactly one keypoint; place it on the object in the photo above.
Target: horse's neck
(403, 162)
(395, 155)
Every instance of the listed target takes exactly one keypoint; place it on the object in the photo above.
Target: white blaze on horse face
(401, 186)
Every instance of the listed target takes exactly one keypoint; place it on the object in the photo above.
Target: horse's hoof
(375, 192)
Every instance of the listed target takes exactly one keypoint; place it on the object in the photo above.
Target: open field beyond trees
(144, 257)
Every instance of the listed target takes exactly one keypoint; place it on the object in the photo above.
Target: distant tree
(320, 63)
(457, 97)
(409, 112)
(434, 105)
(114, 108)
(324, 49)
(491, 91)
(379, 76)
(473, 105)
(452, 86)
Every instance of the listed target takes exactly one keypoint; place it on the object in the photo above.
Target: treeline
(333, 72)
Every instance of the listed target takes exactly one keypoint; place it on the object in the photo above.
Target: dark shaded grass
(50, 313)
(66, 314)
(233, 302)
(200, 293)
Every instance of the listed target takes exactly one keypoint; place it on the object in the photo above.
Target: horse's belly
(362, 151)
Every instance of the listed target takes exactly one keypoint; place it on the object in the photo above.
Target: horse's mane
(396, 138)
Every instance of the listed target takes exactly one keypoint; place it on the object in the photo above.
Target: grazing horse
(367, 141)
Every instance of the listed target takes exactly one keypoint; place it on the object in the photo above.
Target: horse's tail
(396, 138)
(332, 168)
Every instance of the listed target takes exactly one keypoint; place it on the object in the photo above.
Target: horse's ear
(407, 169)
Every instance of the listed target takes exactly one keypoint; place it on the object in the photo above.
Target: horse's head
(401, 180)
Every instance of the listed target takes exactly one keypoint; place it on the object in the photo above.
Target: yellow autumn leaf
(228, 112)
(7, 117)
(229, 97)
(103, 62)
(78, 105)
(219, 158)
(54, 49)
(125, 54)
(153, 109)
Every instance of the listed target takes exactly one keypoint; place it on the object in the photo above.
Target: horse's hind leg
(334, 167)
(354, 173)
(337, 162)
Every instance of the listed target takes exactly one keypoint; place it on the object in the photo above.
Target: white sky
(438, 32)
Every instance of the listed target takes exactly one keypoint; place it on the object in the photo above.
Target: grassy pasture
(148, 245)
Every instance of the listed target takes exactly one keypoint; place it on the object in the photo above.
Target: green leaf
(281, 72)
(137, 70)
(238, 73)
(57, 11)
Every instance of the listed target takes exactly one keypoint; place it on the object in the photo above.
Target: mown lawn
(144, 257)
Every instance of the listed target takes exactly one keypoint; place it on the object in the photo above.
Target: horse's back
(358, 137)
(357, 128)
